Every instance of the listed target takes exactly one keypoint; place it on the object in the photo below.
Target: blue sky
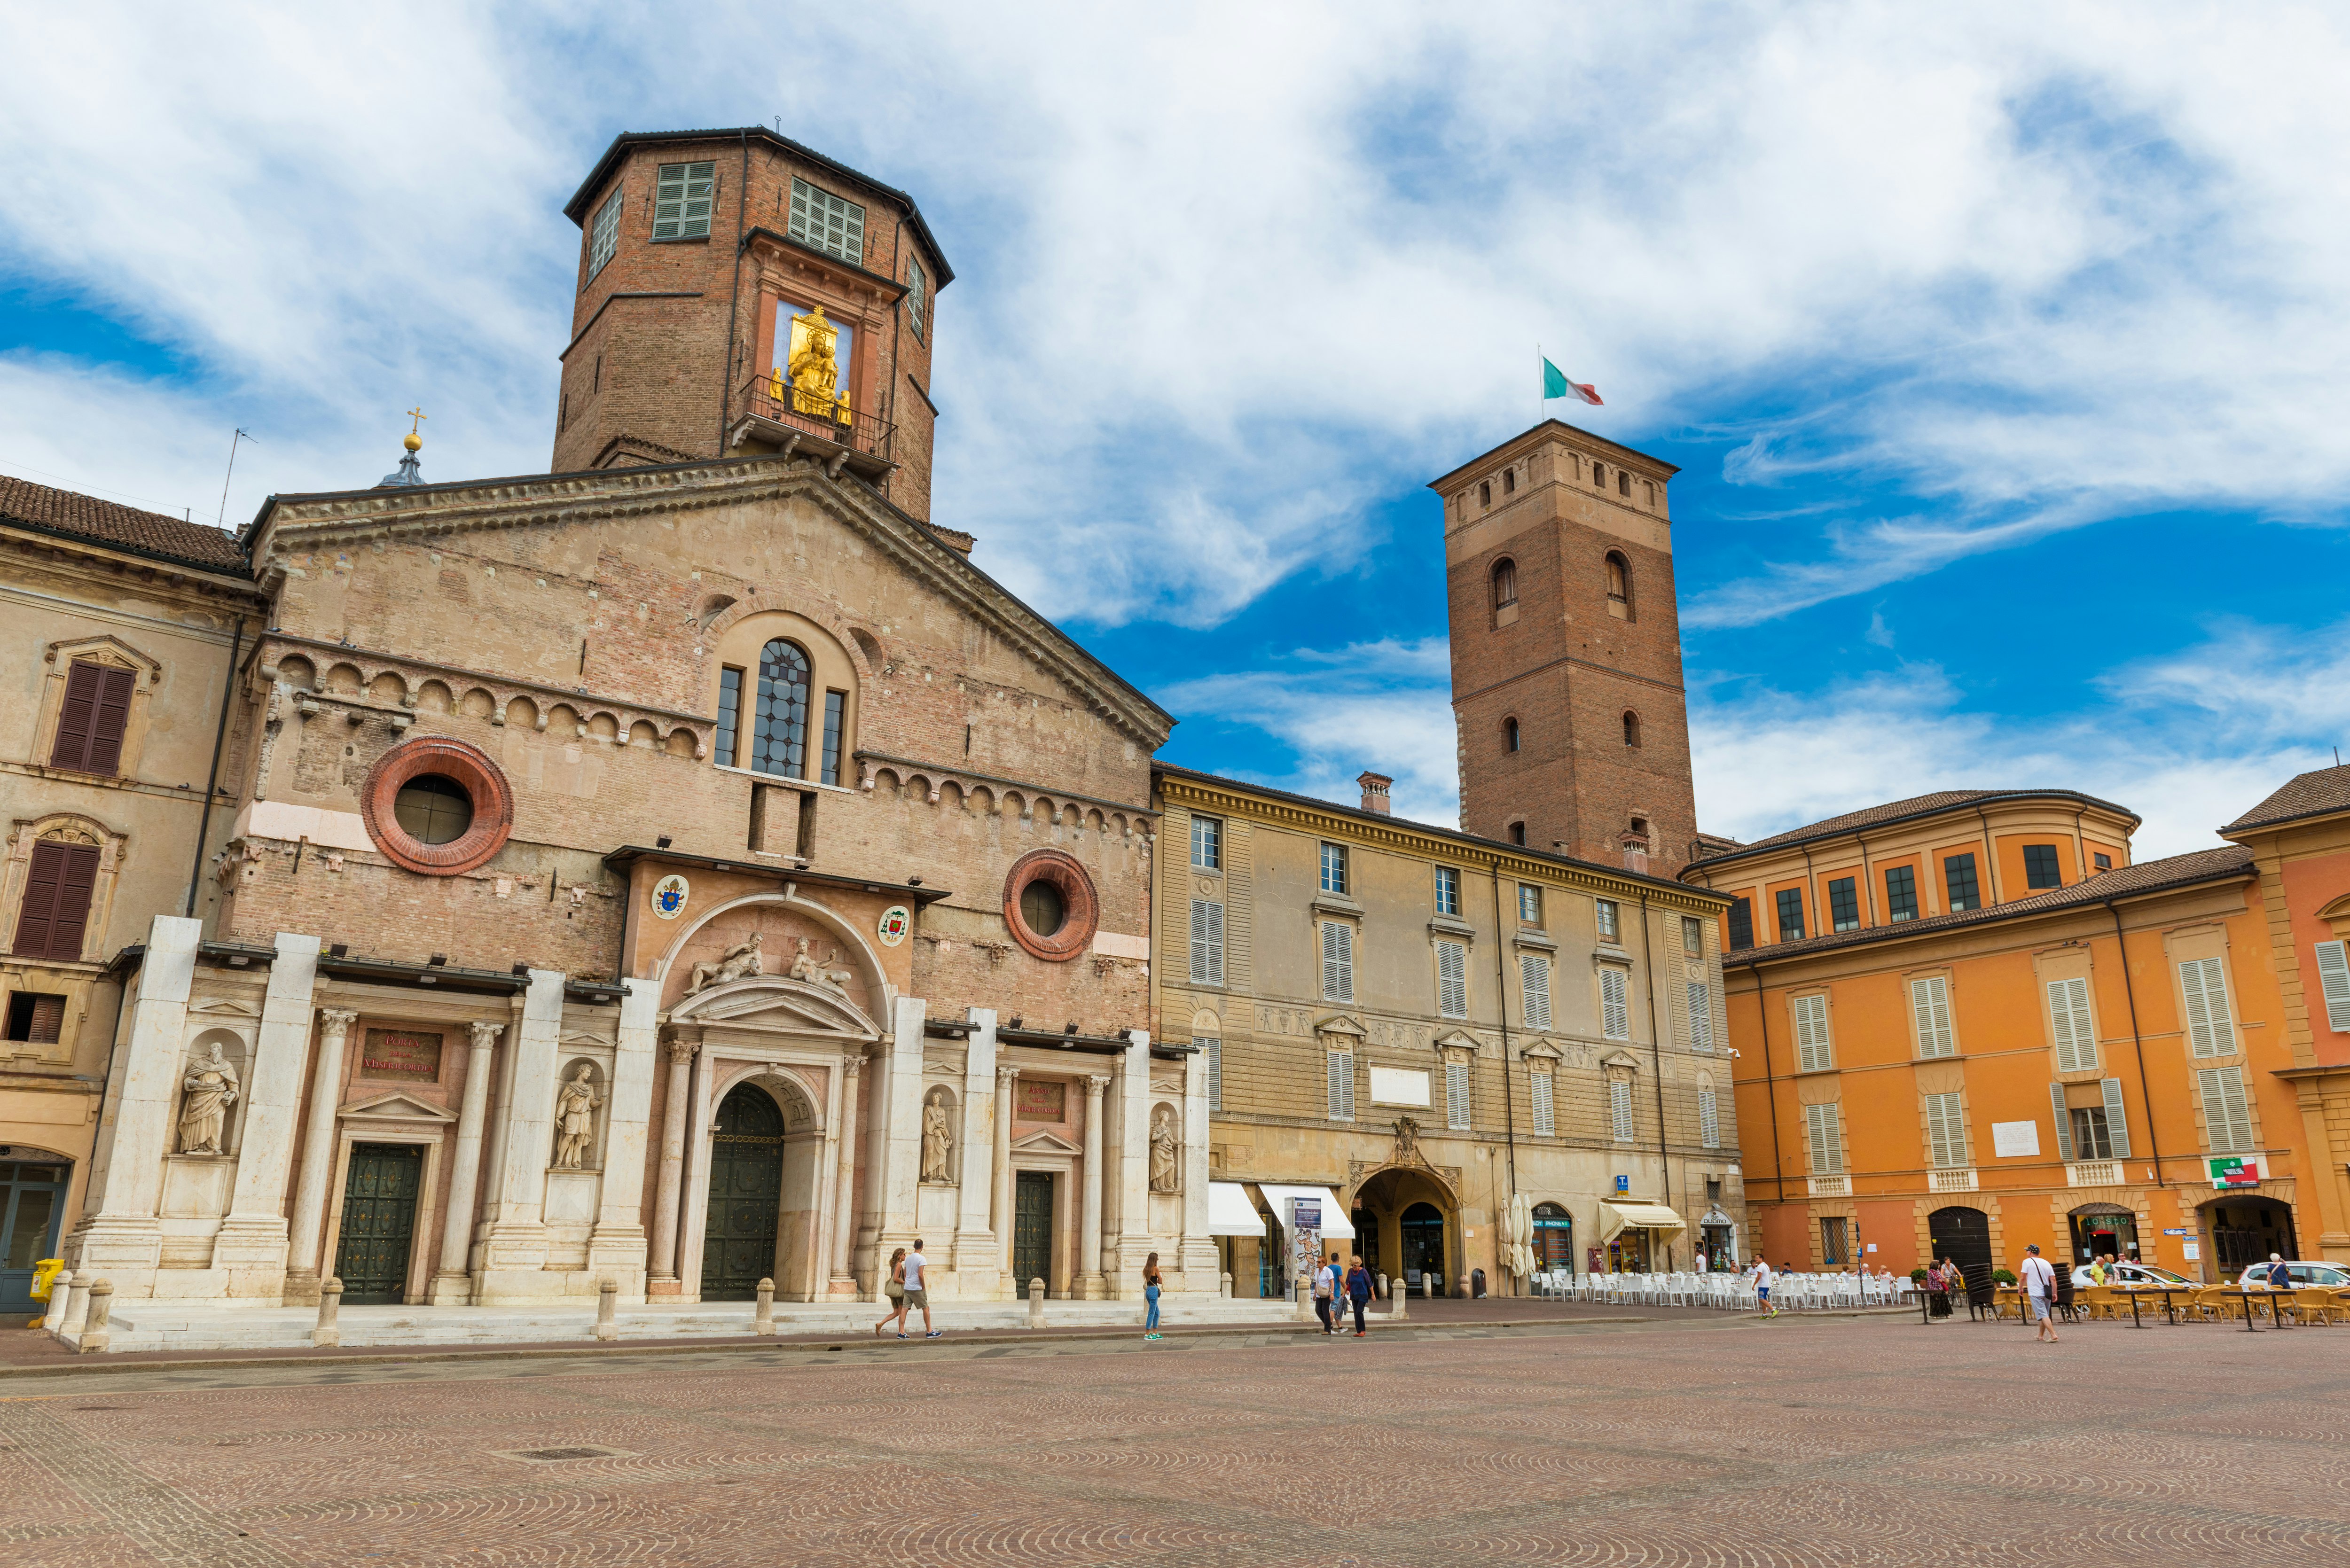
(2000, 350)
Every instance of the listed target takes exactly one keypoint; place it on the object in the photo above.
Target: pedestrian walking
(1326, 1295)
(918, 1294)
(1700, 1260)
(1358, 1292)
(2040, 1289)
(1150, 1296)
(895, 1289)
(2279, 1277)
(1763, 1288)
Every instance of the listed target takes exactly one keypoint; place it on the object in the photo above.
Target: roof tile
(1897, 811)
(2318, 794)
(125, 527)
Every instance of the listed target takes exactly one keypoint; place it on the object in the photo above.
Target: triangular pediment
(1623, 1059)
(1458, 1040)
(224, 1007)
(396, 1107)
(1544, 1048)
(1043, 1143)
(779, 1002)
(1341, 1024)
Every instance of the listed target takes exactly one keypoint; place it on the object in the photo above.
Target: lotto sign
(2235, 1170)
(669, 895)
(895, 921)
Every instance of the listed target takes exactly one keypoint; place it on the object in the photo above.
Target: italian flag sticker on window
(2235, 1170)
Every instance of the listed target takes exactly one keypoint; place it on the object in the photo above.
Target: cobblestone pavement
(1856, 1440)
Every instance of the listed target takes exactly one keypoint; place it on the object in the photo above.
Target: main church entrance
(747, 1194)
(379, 1222)
(1032, 1230)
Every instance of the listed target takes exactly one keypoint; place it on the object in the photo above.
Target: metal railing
(777, 401)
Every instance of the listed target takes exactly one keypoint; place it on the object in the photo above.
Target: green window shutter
(2117, 1117)
(2204, 985)
(2068, 1014)
(1546, 1124)
(2063, 1123)
(1700, 1015)
(2333, 981)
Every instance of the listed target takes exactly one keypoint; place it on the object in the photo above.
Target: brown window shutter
(57, 900)
(49, 1021)
(108, 722)
(83, 684)
(73, 900)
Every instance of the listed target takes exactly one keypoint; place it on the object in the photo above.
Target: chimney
(1375, 792)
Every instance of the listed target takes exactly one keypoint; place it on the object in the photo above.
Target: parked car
(2133, 1274)
(2314, 1276)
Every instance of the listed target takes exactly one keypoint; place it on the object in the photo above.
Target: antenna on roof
(222, 522)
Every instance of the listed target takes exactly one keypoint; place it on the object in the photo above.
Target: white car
(2132, 1274)
(2304, 1275)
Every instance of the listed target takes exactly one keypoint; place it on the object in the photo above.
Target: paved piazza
(1724, 1441)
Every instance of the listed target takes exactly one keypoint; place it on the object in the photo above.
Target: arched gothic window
(779, 733)
(1505, 582)
(1510, 733)
(1631, 728)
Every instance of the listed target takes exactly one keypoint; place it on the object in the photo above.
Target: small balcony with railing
(771, 414)
(2094, 1173)
(1952, 1179)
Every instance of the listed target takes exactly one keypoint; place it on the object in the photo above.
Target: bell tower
(738, 291)
(1566, 655)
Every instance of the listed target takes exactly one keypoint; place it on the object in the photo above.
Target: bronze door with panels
(1032, 1230)
(378, 1221)
(747, 1194)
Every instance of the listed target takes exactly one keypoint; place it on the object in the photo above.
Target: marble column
(1006, 1079)
(124, 1242)
(1091, 1286)
(843, 1206)
(303, 1237)
(978, 1256)
(616, 1251)
(453, 1282)
(684, 1043)
(250, 1246)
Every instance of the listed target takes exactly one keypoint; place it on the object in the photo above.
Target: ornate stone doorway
(747, 1194)
(1032, 1230)
(379, 1222)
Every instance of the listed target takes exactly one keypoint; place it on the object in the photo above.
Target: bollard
(77, 1308)
(1399, 1303)
(60, 1293)
(764, 1321)
(607, 1296)
(1224, 1283)
(101, 1306)
(330, 1305)
(1386, 1293)
(1036, 1303)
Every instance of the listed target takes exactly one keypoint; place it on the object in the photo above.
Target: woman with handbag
(896, 1291)
(1150, 1284)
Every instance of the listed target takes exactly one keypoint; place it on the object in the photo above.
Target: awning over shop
(1615, 1218)
(1229, 1212)
(1336, 1224)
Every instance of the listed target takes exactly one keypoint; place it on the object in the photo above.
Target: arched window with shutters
(1505, 582)
(779, 725)
(1619, 585)
(61, 903)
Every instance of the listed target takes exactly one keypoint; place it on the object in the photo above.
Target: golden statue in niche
(812, 370)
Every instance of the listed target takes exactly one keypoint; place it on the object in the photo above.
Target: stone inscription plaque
(1041, 1101)
(401, 1054)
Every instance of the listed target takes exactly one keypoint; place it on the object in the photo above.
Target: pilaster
(1199, 1259)
(978, 1256)
(618, 1249)
(896, 1153)
(513, 1245)
(250, 1246)
(125, 1242)
(1131, 1170)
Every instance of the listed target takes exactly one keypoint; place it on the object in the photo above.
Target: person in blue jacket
(1358, 1292)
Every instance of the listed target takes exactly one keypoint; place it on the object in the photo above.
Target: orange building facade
(1969, 1022)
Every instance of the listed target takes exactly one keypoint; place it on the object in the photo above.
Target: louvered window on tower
(1337, 962)
(2204, 984)
(603, 235)
(1452, 979)
(2068, 1018)
(827, 223)
(1545, 1114)
(1207, 941)
(1533, 981)
(1342, 1085)
(682, 200)
(1456, 1095)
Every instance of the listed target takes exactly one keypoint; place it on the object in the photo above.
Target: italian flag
(1557, 385)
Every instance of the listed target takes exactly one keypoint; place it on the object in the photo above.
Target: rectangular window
(1620, 1109)
(2068, 1014)
(682, 200)
(1741, 924)
(1610, 921)
(1693, 936)
(1824, 1130)
(2040, 866)
(90, 724)
(1615, 1004)
(2104, 862)
(36, 1018)
(1813, 1053)
(1207, 941)
(1708, 1120)
(603, 235)
(1208, 842)
(825, 222)
(835, 705)
(55, 916)
(1834, 1246)
(1529, 904)
(2334, 984)
(1337, 962)
(1545, 1113)
(1958, 881)
(1452, 979)
(2204, 982)
(1215, 1050)
(1843, 904)
(2090, 1140)
(1791, 914)
(1700, 1015)
(1334, 869)
(1946, 1131)
(916, 295)
(1900, 893)
(1930, 1010)
(730, 711)
(2226, 1119)
(1342, 1085)
(1456, 1095)
(1533, 983)
(1447, 891)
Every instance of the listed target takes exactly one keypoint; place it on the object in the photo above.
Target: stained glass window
(779, 729)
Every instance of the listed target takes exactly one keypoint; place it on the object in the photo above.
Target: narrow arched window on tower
(1505, 582)
(1485, 492)
(1508, 481)
(1631, 728)
(1599, 475)
(1619, 585)
(1623, 483)
(1510, 733)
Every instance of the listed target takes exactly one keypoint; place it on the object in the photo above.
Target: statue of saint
(1166, 1152)
(814, 372)
(938, 1138)
(211, 1086)
(733, 964)
(575, 1118)
(1407, 1144)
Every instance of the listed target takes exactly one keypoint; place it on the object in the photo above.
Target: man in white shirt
(1326, 1295)
(2040, 1289)
(917, 1293)
(1763, 1287)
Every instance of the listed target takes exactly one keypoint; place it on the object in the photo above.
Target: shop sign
(2229, 1170)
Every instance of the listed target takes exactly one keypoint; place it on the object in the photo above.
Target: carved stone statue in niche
(804, 967)
(210, 1085)
(734, 963)
(938, 1138)
(1166, 1152)
(575, 1118)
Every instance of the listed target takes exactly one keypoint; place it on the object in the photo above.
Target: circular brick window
(1050, 905)
(437, 807)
